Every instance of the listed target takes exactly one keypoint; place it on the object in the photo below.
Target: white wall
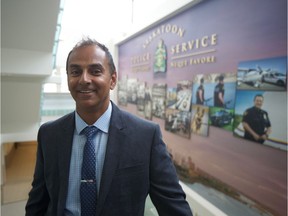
(25, 62)
(148, 12)
(20, 108)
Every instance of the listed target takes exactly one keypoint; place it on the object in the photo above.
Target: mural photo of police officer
(219, 92)
(256, 123)
(260, 116)
(214, 90)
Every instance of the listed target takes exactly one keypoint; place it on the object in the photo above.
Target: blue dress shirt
(73, 206)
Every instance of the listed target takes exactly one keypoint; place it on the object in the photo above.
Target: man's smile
(86, 91)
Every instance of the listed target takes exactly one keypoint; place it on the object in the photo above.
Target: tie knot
(89, 131)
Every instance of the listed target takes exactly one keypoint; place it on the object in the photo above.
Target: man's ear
(113, 81)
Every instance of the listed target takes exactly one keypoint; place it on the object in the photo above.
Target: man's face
(258, 102)
(89, 78)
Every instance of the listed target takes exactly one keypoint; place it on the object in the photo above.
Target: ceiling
(29, 24)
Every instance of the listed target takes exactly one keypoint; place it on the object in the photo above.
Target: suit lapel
(64, 156)
(116, 137)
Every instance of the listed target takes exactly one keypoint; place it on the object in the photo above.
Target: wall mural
(262, 84)
(209, 76)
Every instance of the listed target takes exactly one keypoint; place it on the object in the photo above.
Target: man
(200, 92)
(256, 122)
(131, 158)
(219, 92)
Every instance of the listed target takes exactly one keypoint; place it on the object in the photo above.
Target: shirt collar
(102, 123)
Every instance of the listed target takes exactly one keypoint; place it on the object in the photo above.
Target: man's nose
(85, 77)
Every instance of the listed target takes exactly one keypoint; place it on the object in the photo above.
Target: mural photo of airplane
(251, 76)
(263, 74)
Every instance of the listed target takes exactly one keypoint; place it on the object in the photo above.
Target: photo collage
(223, 100)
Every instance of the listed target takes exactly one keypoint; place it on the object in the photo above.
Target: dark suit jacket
(136, 164)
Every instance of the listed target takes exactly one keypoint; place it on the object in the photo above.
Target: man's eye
(75, 72)
(95, 72)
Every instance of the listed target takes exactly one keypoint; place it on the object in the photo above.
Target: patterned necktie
(88, 188)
